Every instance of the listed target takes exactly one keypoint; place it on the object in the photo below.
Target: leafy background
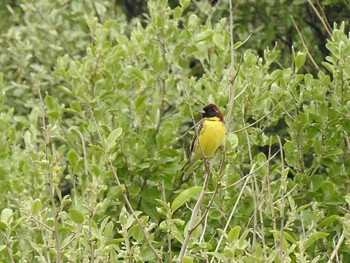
(96, 99)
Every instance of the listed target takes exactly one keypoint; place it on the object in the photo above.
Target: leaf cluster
(96, 111)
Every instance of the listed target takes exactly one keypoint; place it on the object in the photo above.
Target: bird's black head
(210, 111)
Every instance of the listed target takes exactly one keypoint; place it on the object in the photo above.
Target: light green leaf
(112, 137)
(162, 203)
(193, 22)
(313, 238)
(177, 12)
(115, 241)
(288, 237)
(232, 140)
(3, 226)
(7, 216)
(300, 59)
(184, 3)
(2, 247)
(184, 196)
(76, 216)
(36, 206)
(187, 259)
(303, 207)
(108, 231)
(219, 41)
(328, 221)
(234, 234)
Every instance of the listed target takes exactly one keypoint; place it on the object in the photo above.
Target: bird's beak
(201, 111)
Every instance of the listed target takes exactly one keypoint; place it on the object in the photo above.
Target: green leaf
(136, 233)
(108, 231)
(328, 189)
(234, 234)
(72, 157)
(138, 73)
(184, 196)
(313, 238)
(2, 247)
(193, 22)
(162, 203)
(219, 41)
(115, 241)
(232, 141)
(316, 182)
(75, 105)
(112, 137)
(76, 216)
(67, 240)
(300, 59)
(36, 206)
(187, 259)
(7, 216)
(3, 226)
(51, 102)
(328, 221)
(1, 82)
(303, 207)
(177, 12)
(288, 237)
(184, 3)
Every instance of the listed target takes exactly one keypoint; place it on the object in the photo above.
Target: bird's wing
(198, 127)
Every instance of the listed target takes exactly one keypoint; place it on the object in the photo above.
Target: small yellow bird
(211, 134)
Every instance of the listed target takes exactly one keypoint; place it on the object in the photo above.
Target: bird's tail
(184, 170)
(186, 166)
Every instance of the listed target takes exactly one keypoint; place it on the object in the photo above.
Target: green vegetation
(95, 107)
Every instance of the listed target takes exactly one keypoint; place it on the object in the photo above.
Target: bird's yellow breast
(211, 136)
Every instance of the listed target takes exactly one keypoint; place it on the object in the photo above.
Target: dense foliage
(96, 108)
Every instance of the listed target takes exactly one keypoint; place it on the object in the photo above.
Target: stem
(192, 226)
(89, 195)
(233, 210)
(321, 19)
(129, 206)
(283, 192)
(8, 244)
(336, 249)
(269, 192)
(46, 136)
(304, 44)
(126, 200)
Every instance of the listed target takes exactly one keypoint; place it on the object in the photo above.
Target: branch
(126, 200)
(192, 226)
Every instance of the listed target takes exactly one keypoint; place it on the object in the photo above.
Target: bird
(209, 136)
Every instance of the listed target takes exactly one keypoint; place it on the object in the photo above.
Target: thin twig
(129, 206)
(324, 17)
(257, 121)
(337, 247)
(233, 210)
(321, 19)
(89, 195)
(233, 75)
(283, 191)
(192, 220)
(46, 136)
(258, 207)
(251, 172)
(191, 226)
(269, 193)
(304, 44)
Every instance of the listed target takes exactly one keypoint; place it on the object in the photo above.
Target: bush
(94, 114)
